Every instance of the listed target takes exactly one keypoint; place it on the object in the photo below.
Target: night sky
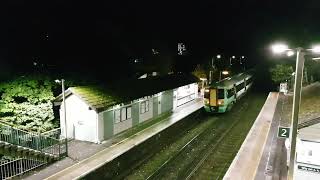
(106, 36)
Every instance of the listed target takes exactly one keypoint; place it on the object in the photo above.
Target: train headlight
(220, 102)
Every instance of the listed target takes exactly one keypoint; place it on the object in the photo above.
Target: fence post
(39, 142)
(59, 149)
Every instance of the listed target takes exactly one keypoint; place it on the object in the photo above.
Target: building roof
(102, 97)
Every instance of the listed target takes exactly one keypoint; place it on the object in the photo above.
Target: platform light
(279, 48)
(225, 72)
(233, 57)
(290, 53)
(218, 56)
(316, 49)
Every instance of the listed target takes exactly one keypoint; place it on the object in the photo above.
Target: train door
(213, 97)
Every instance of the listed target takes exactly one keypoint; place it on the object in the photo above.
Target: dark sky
(105, 35)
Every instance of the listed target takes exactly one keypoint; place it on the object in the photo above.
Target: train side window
(230, 92)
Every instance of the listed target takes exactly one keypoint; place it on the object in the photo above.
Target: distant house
(96, 113)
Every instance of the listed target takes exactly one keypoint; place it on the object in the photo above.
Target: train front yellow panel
(213, 97)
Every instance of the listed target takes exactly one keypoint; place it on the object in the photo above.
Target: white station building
(96, 113)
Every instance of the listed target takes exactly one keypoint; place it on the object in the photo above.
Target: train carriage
(220, 96)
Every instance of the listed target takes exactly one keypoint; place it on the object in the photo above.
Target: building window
(122, 114)
(129, 112)
(144, 107)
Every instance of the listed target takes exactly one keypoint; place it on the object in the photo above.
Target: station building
(308, 152)
(97, 113)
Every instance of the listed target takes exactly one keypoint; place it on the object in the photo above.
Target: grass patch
(309, 106)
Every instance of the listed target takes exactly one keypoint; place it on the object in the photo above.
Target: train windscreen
(220, 93)
(207, 93)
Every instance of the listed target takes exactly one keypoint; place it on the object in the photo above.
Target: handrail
(54, 133)
(39, 142)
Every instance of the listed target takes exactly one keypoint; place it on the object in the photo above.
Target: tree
(26, 103)
(281, 73)
(199, 72)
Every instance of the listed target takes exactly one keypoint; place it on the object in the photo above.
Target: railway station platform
(89, 164)
(245, 166)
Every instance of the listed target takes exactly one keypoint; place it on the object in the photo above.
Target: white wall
(121, 126)
(147, 115)
(81, 121)
(185, 94)
(308, 152)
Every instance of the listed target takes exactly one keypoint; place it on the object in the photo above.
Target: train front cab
(214, 100)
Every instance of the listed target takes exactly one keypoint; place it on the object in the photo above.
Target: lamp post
(280, 48)
(213, 67)
(230, 60)
(64, 113)
(295, 112)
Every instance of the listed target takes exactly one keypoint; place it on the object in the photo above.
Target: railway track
(207, 150)
(216, 162)
(192, 155)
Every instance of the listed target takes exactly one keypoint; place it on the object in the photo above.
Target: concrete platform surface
(245, 164)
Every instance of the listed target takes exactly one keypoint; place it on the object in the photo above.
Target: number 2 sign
(283, 132)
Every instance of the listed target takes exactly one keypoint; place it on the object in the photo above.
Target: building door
(175, 99)
(155, 107)
(159, 104)
(80, 131)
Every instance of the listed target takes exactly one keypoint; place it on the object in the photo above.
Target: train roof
(231, 81)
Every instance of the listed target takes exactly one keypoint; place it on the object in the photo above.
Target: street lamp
(278, 49)
(64, 112)
(233, 57)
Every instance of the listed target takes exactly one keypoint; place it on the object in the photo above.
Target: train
(219, 97)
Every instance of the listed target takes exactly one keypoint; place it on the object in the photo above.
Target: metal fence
(45, 143)
(13, 167)
(54, 133)
(40, 142)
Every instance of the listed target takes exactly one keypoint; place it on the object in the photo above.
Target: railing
(39, 142)
(15, 167)
(54, 133)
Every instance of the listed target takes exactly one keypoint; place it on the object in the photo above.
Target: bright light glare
(57, 81)
(242, 57)
(316, 49)
(233, 57)
(279, 48)
(290, 53)
(218, 56)
(225, 72)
